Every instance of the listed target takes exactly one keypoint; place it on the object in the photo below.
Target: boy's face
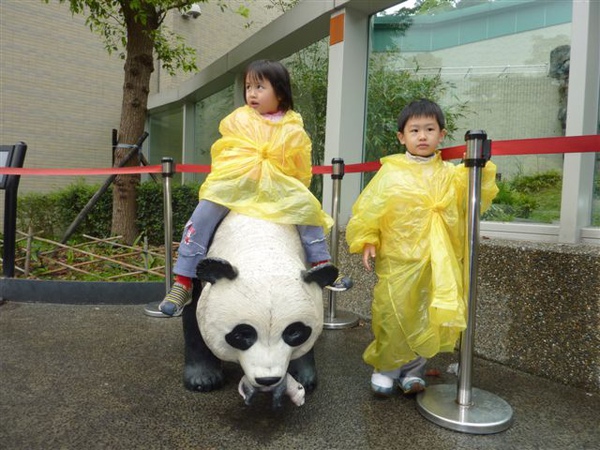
(421, 135)
(260, 95)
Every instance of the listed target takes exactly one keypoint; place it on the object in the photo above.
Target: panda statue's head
(256, 309)
(261, 323)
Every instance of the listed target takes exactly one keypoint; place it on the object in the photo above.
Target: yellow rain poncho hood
(262, 169)
(414, 213)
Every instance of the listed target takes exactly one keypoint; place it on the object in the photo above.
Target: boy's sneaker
(382, 385)
(411, 385)
(177, 299)
(340, 284)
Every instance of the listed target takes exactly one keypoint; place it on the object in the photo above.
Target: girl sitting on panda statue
(261, 167)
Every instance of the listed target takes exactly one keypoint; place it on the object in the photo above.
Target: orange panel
(336, 29)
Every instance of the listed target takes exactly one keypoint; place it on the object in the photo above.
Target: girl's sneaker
(382, 385)
(177, 299)
(326, 275)
(341, 283)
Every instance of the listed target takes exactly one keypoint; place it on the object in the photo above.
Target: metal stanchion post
(10, 156)
(151, 308)
(337, 319)
(462, 408)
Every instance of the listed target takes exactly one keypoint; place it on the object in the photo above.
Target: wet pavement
(110, 377)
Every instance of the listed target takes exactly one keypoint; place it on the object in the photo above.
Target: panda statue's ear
(214, 269)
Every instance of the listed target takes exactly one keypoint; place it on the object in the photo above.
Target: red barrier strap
(81, 171)
(538, 146)
(192, 168)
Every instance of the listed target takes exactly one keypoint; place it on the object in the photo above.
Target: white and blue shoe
(382, 385)
(411, 385)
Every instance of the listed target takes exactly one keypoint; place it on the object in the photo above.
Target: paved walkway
(109, 377)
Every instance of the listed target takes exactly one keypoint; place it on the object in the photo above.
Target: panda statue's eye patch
(242, 337)
(296, 334)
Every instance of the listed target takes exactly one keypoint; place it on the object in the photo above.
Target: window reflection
(209, 113)
(166, 137)
(308, 71)
(501, 66)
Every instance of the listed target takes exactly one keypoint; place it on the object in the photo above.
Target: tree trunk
(139, 65)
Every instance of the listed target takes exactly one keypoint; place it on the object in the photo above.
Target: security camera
(193, 11)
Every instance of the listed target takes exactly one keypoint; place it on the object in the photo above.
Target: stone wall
(538, 307)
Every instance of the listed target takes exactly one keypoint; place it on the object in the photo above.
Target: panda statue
(255, 309)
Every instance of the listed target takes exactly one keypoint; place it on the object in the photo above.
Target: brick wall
(61, 91)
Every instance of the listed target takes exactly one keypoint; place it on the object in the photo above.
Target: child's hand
(368, 253)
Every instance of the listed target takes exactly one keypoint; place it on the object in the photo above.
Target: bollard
(461, 407)
(334, 319)
(151, 309)
(10, 156)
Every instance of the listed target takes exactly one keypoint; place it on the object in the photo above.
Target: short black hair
(421, 108)
(278, 76)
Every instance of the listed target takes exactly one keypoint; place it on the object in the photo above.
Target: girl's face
(421, 135)
(260, 95)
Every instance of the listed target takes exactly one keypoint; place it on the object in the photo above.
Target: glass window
(209, 113)
(308, 72)
(166, 137)
(499, 66)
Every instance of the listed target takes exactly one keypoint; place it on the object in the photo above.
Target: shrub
(49, 215)
(537, 182)
(38, 211)
(534, 197)
(150, 219)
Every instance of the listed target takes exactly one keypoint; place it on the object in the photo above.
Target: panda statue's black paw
(201, 378)
(304, 370)
(203, 371)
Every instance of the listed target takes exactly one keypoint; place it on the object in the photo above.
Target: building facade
(63, 99)
(60, 91)
(522, 69)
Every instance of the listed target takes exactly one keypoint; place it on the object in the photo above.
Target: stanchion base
(488, 413)
(341, 319)
(151, 309)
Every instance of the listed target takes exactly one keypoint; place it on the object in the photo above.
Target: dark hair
(277, 75)
(421, 108)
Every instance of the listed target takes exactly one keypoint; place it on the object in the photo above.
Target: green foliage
(110, 19)
(175, 54)
(37, 211)
(308, 70)
(72, 201)
(151, 214)
(282, 5)
(537, 182)
(50, 214)
(390, 91)
(534, 198)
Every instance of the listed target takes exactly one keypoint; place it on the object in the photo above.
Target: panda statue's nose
(267, 381)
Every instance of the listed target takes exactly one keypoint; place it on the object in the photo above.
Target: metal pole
(460, 407)
(11, 186)
(167, 164)
(151, 309)
(336, 319)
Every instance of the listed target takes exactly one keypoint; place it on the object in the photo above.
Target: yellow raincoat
(262, 169)
(414, 213)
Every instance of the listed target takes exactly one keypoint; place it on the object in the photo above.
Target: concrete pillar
(346, 102)
(582, 119)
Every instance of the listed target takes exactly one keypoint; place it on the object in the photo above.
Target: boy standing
(411, 219)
